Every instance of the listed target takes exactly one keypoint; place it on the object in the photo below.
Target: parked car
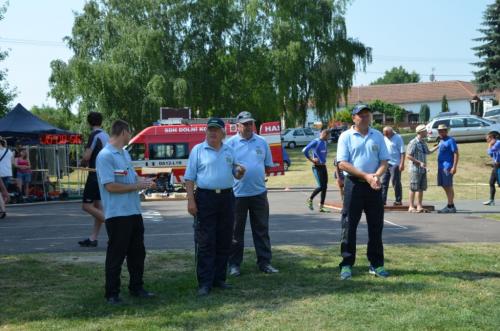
(292, 138)
(492, 114)
(335, 133)
(462, 127)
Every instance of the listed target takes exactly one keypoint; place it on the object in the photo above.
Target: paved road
(57, 227)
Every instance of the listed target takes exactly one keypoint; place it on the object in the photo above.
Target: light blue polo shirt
(211, 169)
(395, 147)
(364, 153)
(255, 155)
(110, 162)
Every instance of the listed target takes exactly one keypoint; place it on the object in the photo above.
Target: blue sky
(419, 35)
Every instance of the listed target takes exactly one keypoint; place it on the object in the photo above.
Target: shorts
(91, 190)
(418, 181)
(24, 177)
(444, 178)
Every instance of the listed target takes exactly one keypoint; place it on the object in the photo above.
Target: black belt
(356, 179)
(217, 191)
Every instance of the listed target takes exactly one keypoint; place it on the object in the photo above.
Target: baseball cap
(359, 108)
(215, 122)
(420, 128)
(244, 117)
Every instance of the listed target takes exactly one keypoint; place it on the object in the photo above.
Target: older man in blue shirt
(253, 152)
(211, 166)
(363, 156)
(119, 186)
(396, 148)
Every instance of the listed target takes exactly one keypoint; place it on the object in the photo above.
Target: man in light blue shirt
(253, 152)
(212, 165)
(119, 186)
(363, 156)
(396, 148)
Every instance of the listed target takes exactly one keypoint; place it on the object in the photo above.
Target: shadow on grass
(37, 289)
(40, 288)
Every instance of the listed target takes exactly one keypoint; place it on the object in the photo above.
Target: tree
(218, 57)
(488, 76)
(6, 94)
(57, 117)
(397, 75)
(444, 104)
(389, 109)
(425, 113)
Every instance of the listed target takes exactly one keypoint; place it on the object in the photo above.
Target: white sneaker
(489, 203)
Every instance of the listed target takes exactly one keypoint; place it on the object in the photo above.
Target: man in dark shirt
(91, 197)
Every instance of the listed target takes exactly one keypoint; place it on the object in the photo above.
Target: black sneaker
(88, 243)
(114, 301)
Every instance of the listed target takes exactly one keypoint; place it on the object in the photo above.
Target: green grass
(471, 180)
(438, 287)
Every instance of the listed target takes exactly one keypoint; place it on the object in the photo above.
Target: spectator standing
(363, 156)
(253, 152)
(119, 186)
(416, 153)
(212, 166)
(396, 148)
(494, 153)
(318, 147)
(23, 166)
(91, 196)
(447, 166)
(6, 161)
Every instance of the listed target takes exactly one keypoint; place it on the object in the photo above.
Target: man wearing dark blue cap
(212, 166)
(253, 152)
(363, 156)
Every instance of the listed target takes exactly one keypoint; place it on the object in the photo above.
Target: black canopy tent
(21, 127)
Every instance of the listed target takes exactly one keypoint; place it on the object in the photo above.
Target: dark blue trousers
(359, 197)
(213, 233)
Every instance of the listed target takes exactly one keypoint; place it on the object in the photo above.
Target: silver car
(462, 127)
(492, 114)
(292, 138)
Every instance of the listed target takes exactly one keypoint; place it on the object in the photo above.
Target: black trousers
(394, 173)
(493, 181)
(213, 230)
(359, 197)
(258, 208)
(125, 239)
(321, 176)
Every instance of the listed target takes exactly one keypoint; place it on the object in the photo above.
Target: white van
(492, 114)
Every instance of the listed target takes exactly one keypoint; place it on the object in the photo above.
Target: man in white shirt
(6, 161)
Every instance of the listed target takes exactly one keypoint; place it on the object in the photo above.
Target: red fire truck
(169, 145)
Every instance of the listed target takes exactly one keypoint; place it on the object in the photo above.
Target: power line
(32, 42)
(437, 75)
(420, 58)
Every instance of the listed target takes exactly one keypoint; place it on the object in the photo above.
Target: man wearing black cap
(363, 156)
(212, 165)
(253, 152)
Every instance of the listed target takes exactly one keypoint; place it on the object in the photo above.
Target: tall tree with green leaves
(217, 57)
(313, 56)
(425, 113)
(57, 117)
(397, 75)
(444, 104)
(488, 75)
(6, 93)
